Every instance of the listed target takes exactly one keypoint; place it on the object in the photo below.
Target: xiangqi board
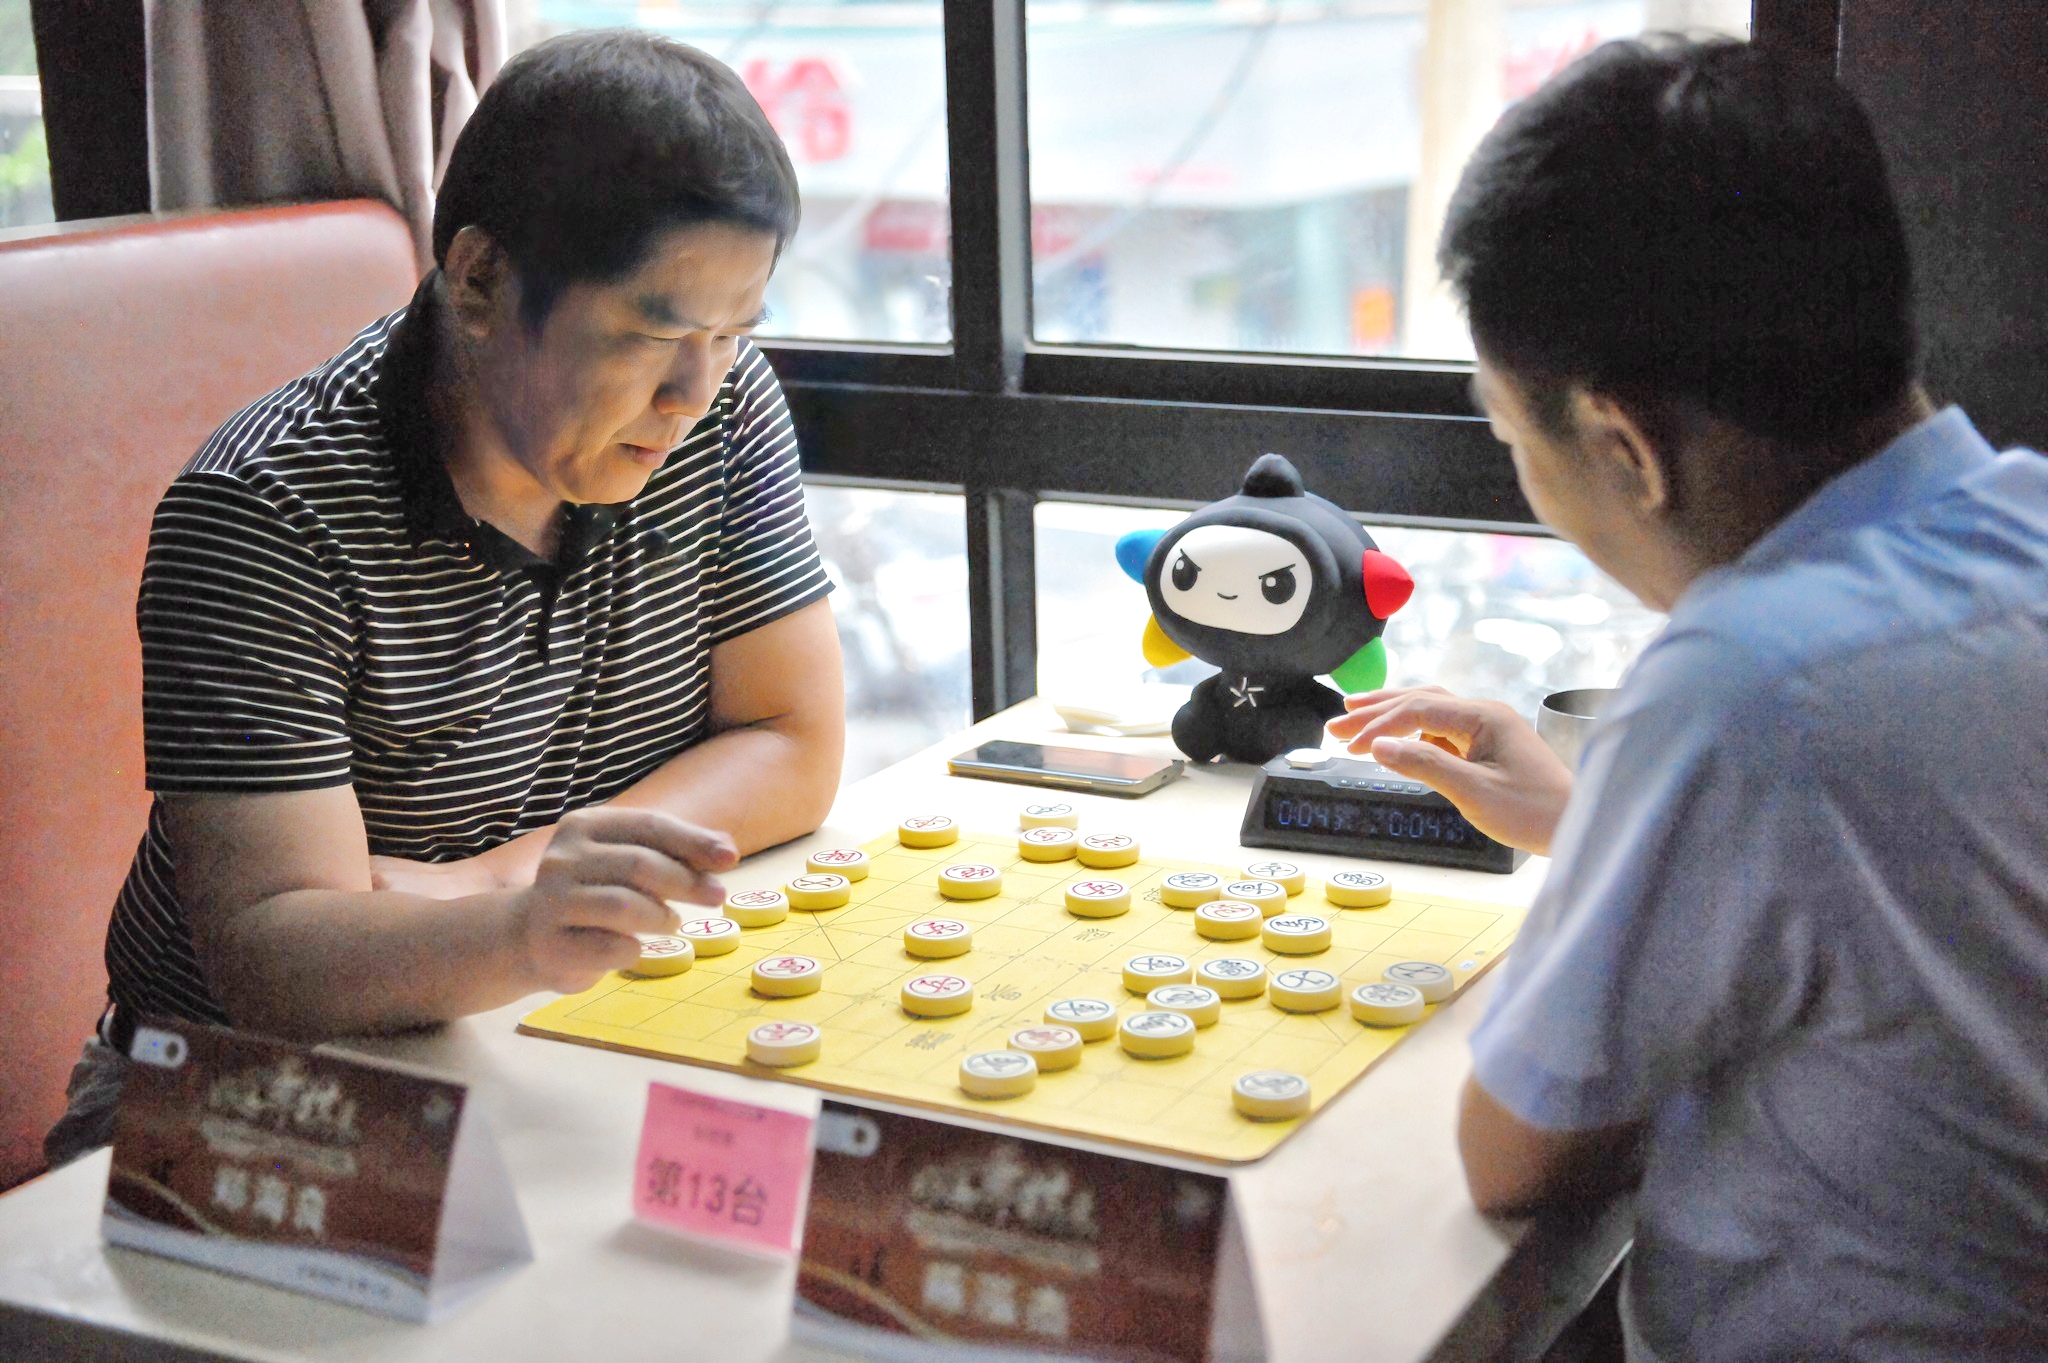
(1028, 952)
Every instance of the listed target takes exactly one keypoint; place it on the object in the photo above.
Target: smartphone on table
(1034, 764)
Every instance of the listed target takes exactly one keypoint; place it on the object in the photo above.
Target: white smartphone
(1034, 764)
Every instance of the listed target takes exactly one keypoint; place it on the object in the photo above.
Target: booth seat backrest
(122, 346)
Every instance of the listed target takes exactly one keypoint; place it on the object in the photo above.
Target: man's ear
(479, 281)
(1628, 452)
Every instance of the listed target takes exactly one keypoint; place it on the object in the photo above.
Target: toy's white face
(1236, 578)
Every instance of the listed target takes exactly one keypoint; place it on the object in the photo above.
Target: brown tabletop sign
(363, 1182)
(925, 1240)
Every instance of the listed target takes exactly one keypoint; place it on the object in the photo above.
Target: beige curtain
(256, 101)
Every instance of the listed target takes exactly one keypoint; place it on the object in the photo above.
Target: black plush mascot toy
(1275, 586)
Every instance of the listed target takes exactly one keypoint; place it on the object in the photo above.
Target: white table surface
(1363, 1242)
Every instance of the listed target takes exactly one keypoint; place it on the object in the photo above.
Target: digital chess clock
(1308, 800)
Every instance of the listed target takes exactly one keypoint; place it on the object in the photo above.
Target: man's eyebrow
(657, 310)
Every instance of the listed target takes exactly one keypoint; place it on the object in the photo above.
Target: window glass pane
(1503, 617)
(1272, 174)
(24, 156)
(898, 564)
(857, 89)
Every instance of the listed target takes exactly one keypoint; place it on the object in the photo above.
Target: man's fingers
(611, 908)
(708, 893)
(1515, 798)
(1387, 693)
(1444, 715)
(1435, 716)
(1444, 772)
(1352, 722)
(641, 869)
(580, 956)
(655, 854)
(1346, 725)
(701, 849)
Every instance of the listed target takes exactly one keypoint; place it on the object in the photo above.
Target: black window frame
(994, 415)
(1007, 420)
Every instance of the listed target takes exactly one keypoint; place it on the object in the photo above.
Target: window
(1272, 175)
(858, 92)
(898, 564)
(1182, 232)
(24, 157)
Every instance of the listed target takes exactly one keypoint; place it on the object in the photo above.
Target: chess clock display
(1310, 801)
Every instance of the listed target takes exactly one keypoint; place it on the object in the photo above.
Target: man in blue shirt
(1790, 968)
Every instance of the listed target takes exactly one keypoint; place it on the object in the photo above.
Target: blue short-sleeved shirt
(1798, 925)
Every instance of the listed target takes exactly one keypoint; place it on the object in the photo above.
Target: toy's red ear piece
(1387, 584)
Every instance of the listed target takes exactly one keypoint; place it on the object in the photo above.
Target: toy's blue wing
(1134, 549)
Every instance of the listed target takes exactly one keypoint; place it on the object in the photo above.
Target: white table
(1363, 1242)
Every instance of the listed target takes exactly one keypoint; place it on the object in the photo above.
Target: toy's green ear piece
(1134, 549)
(1161, 651)
(1365, 670)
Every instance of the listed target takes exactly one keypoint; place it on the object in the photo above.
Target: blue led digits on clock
(1355, 808)
(1437, 827)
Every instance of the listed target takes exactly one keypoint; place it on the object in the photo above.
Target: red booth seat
(123, 344)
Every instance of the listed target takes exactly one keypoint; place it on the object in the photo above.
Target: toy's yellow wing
(1161, 651)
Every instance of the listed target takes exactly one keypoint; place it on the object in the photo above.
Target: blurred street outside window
(857, 89)
(24, 154)
(898, 564)
(1250, 175)
(1271, 175)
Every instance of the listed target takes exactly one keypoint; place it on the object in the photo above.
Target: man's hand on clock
(1479, 754)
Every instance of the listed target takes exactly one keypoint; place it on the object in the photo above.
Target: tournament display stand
(1362, 1240)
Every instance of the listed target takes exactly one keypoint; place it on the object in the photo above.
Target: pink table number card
(364, 1182)
(727, 1172)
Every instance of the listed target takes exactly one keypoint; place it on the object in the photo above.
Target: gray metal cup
(1566, 717)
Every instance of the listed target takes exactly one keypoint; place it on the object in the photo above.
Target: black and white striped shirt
(318, 610)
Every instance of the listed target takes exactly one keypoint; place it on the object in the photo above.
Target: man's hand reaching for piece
(303, 934)
(610, 873)
(1479, 754)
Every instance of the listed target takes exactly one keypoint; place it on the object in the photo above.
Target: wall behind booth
(122, 346)
(1957, 92)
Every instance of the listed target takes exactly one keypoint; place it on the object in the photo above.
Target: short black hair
(1690, 220)
(588, 145)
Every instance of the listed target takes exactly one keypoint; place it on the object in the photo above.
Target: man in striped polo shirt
(470, 651)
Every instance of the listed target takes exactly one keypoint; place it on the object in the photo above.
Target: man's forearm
(760, 784)
(316, 964)
(770, 769)
(1512, 1168)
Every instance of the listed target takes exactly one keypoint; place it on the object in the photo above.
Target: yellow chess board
(1028, 952)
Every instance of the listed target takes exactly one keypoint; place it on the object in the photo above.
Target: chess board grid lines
(1179, 1106)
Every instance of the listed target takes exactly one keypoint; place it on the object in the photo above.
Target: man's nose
(691, 384)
